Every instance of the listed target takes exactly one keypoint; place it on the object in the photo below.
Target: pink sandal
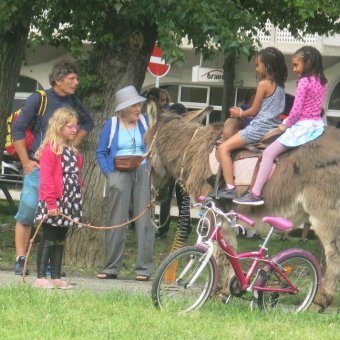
(43, 283)
(61, 284)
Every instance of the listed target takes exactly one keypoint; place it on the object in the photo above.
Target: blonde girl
(59, 192)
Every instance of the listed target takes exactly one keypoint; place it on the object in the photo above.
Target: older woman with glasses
(119, 154)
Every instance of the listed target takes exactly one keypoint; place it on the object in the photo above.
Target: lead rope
(183, 220)
(170, 274)
(86, 225)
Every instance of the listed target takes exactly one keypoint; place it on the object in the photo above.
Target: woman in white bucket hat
(123, 135)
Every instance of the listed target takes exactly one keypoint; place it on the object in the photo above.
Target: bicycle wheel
(175, 285)
(303, 271)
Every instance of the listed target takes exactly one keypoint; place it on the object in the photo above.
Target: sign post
(157, 66)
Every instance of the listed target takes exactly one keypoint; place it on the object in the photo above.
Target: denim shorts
(29, 198)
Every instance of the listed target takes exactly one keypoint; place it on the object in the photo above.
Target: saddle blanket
(243, 168)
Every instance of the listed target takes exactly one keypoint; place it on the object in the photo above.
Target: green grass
(7, 223)
(6, 212)
(27, 313)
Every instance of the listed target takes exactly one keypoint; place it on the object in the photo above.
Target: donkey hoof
(315, 307)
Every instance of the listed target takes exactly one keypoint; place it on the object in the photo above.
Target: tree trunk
(12, 49)
(115, 68)
(228, 84)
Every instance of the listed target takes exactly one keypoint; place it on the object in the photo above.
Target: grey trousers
(122, 188)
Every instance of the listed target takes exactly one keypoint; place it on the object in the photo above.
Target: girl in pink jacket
(59, 192)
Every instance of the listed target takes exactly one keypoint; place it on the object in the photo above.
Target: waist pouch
(128, 163)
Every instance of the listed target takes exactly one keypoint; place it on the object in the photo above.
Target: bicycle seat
(278, 223)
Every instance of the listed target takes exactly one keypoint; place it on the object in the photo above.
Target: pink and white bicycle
(189, 276)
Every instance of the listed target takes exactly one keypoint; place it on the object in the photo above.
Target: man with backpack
(64, 81)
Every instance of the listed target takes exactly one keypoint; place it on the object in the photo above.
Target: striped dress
(267, 118)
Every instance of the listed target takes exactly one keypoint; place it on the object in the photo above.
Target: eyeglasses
(72, 126)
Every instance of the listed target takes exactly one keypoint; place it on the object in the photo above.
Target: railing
(284, 36)
(10, 181)
(330, 46)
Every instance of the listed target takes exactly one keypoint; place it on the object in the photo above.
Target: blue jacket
(105, 156)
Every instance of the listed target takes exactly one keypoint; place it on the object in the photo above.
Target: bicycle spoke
(191, 281)
(301, 272)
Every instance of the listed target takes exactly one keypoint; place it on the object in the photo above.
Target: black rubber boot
(56, 260)
(44, 253)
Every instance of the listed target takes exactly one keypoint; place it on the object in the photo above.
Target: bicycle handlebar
(209, 202)
(246, 219)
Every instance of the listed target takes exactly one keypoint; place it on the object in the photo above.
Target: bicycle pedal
(223, 298)
(253, 304)
(226, 299)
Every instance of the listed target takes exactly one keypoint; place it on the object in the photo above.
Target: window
(333, 112)
(334, 101)
(194, 95)
(197, 97)
(26, 84)
(173, 92)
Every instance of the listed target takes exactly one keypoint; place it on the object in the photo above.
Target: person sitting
(159, 96)
(234, 124)
(267, 106)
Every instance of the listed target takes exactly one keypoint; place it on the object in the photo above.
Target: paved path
(7, 278)
(82, 283)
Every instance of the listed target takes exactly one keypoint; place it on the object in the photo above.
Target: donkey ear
(197, 115)
(152, 111)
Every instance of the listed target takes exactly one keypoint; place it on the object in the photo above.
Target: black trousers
(51, 250)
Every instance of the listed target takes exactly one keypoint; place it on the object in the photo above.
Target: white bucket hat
(126, 97)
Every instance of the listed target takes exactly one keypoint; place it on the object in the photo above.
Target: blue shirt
(129, 142)
(54, 102)
(105, 155)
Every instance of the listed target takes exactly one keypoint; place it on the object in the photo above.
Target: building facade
(197, 84)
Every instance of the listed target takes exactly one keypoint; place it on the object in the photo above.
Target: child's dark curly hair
(312, 61)
(275, 64)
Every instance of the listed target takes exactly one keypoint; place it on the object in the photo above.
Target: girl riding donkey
(304, 122)
(59, 192)
(266, 108)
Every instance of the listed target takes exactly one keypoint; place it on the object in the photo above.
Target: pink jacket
(308, 102)
(51, 176)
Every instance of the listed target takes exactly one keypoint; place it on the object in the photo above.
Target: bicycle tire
(303, 270)
(169, 287)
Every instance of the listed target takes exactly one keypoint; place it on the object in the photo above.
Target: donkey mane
(184, 151)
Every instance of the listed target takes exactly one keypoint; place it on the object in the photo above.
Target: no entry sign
(157, 66)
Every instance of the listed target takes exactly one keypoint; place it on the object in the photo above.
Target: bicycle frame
(258, 256)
